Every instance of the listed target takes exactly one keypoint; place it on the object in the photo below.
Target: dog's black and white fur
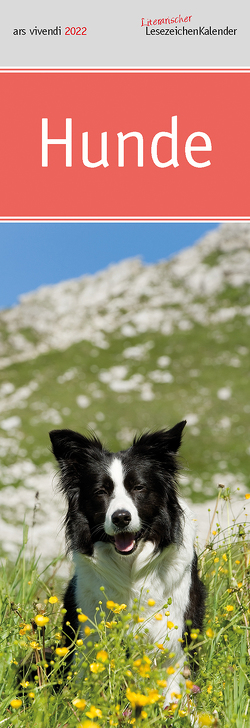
(130, 533)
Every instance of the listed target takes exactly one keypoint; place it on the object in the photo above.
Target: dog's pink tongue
(124, 541)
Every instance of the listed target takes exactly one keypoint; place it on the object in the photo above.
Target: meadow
(122, 676)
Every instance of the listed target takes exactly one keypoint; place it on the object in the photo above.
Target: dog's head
(122, 497)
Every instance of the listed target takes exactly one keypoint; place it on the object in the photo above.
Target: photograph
(124, 441)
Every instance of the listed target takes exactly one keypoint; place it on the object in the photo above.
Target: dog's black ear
(162, 442)
(74, 453)
(173, 436)
(70, 446)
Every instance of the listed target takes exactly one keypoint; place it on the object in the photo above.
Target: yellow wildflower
(31, 696)
(160, 646)
(162, 683)
(216, 560)
(96, 667)
(229, 608)
(209, 633)
(102, 655)
(53, 600)
(144, 670)
(137, 699)
(170, 624)
(182, 713)
(87, 631)
(119, 608)
(111, 624)
(151, 602)
(94, 712)
(61, 651)
(35, 645)
(110, 604)
(79, 703)
(79, 643)
(82, 618)
(170, 670)
(16, 703)
(193, 635)
(144, 714)
(158, 616)
(41, 620)
(209, 689)
(247, 495)
(88, 724)
(140, 619)
(205, 719)
(224, 556)
(115, 607)
(154, 696)
(137, 663)
(25, 628)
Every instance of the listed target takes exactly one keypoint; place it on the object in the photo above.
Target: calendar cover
(125, 309)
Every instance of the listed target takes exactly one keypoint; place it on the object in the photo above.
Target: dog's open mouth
(125, 542)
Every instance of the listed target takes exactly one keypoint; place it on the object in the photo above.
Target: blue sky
(36, 254)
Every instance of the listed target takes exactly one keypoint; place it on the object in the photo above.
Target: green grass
(212, 258)
(121, 679)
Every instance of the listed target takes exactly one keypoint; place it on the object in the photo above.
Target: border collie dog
(130, 533)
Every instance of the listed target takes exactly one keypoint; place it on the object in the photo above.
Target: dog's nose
(121, 518)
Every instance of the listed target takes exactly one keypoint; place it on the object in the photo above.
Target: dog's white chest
(143, 576)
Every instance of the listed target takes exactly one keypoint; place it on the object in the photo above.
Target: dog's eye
(104, 487)
(137, 487)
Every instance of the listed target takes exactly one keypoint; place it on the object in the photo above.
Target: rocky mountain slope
(132, 298)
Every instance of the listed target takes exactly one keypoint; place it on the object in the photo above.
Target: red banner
(125, 145)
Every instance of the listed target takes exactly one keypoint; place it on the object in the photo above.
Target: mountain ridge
(130, 294)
